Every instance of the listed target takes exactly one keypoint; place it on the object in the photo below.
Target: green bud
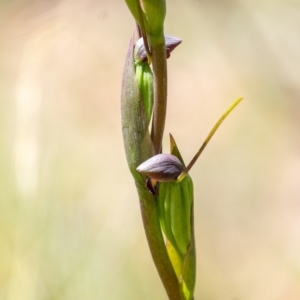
(164, 206)
(175, 206)
(175, 212)
(144, 78)
(180, 211)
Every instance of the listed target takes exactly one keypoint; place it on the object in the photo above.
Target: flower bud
(140, 52)
(161, 167)
(171, 43)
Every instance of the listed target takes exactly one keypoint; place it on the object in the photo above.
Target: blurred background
(70, 225)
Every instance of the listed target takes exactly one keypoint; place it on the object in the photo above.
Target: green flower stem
(159, 65)
(138, 148)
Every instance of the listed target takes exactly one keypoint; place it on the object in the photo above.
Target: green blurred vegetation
(70, 225)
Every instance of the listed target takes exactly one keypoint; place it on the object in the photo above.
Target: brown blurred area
(70, 226)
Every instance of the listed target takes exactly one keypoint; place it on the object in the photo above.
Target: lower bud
(161, 167)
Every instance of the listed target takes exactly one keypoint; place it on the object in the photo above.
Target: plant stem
(159, 62)
(138, 148)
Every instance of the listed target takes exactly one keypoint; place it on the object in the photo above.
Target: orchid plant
(163, 183)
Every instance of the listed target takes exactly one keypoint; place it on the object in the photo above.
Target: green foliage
(149, 14)
(175, 202)
(136, 137)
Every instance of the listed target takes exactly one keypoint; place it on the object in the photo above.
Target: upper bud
(161, 167)
(140, 53)
(171, 43)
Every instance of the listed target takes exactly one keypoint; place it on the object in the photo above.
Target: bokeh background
(70, 226)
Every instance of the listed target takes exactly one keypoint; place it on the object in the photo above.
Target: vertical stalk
(159, 63)
(138, 148)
